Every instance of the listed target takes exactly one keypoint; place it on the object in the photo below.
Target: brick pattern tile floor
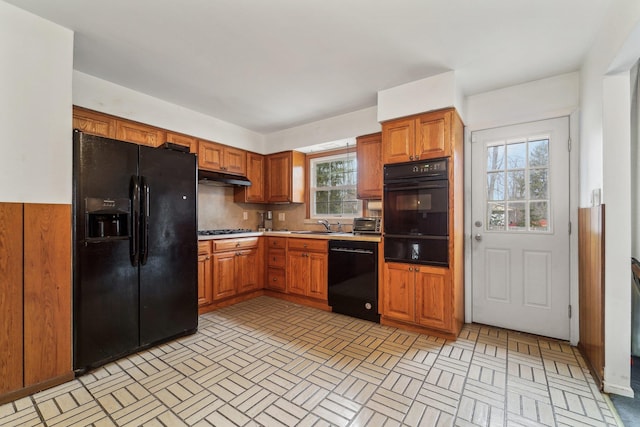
(268, 362)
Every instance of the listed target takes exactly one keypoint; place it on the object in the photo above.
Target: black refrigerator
(135, 248)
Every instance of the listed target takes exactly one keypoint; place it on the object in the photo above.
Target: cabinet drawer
(204, 248)
(313, 245)
(276, 258)
(231, 244)
(276, 279)
(277, 242)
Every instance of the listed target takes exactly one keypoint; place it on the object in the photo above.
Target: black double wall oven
(416, 212)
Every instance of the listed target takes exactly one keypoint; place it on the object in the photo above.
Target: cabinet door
(235, 161)
(248, 271)
(318, 275)
(205, 287)
(433, 297)
(94, 123)
(432, 139)
(255, 193)
(297, 272)
(210, 155)
(11, 301)
(279, 182)
(399, 292)
(224, 272)
(369, 152)
(398, 140)
(184, 140)
(139, 133)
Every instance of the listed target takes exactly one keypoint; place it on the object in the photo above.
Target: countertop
(300, 235)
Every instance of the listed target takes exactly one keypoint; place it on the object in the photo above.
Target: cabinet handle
(274, 259)
(208, 257)
(305, 246)
(416, 157)
(275, 279)
(238, 245)
(411, 157)
(410, 268)
(416, 269)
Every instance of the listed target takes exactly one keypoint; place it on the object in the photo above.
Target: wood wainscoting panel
(47, 292)
(591, 288)
(10, 297)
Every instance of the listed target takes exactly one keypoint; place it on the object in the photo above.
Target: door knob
(478, 237)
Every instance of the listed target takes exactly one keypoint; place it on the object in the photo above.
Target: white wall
(604, 163)
(538, 100)
(101, 95)
(348, 125)
(36, 57)
(431, 93)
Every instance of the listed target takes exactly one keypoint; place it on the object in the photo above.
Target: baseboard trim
(35, 388)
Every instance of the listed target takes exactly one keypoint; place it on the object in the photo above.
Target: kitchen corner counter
(300, 235)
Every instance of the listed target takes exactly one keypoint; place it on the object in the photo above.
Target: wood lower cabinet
(307, 268)
(423, 136)
(420, 295)
(205, 285)
(35, 297)
(370, 167)
(276, 264)
(255, 193)
(237, 266)
(285, 177)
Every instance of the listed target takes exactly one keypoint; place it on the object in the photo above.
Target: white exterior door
(520, 227)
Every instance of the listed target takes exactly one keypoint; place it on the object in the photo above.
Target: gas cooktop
(223, 231)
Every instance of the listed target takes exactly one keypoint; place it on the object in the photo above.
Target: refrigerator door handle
(134, 252)
(144, 226)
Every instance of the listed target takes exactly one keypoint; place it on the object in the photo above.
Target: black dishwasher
(353, 278)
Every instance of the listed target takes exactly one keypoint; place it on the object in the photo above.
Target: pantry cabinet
(307, 268)
(418, 294)
(256, 171)
(370, 167)
(221, 158)
(423, 136)
(285, 177)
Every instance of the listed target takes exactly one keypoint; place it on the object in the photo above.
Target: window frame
(349, 152)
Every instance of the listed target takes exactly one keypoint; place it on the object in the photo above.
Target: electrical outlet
(245, 215)
(281, 216)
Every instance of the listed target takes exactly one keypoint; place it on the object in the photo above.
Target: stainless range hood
(221, 179)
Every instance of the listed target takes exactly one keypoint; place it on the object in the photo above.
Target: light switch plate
(245, 215)
(281, 216)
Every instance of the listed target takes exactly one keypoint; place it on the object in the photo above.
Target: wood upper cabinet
(370, 168)
(285, 177)
(418, 294)
(205, 284)
(424, 136)
(184, 140)
(221, 158)
(94, 123)
(255, 193)
(139, 133)
(238, 266)
(307, 267)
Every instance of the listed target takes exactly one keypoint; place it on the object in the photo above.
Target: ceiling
(272, 65)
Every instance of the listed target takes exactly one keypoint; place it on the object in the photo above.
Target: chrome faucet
(325, 223)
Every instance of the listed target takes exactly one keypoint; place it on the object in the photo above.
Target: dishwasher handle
(353, 251)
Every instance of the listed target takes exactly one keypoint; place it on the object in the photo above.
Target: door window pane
(515, 180)
(495, 216)
(495, 186)
(539, 216)
(495, 158)
(518, 186)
